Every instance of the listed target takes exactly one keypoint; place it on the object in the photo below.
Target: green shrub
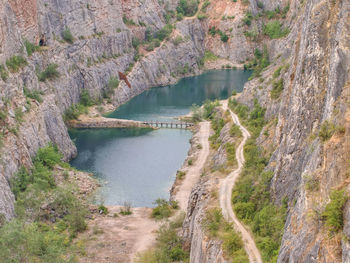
(85, 98)
(19, 115)
(129, 22)
(113, 83)
(277, 88)
(326, 131)
(202, 16)
(260, 5)
(333, 214)
(30, 47)
(135, 42)
(224, 37)
(35, 94)
(259, 63)
(205, 5)
(20, 181)
(209, 56)
(213, 221)
(274, 30)
(49, 156)
(168, 247)
(277, 72)
(3, 73)
(216, 227)
(74, 111)
(311, 182)
(67, 36)
(248, 18)
(235, 131)
(102, 209)
(23, 242)
(38, 200)
(15, 63)
(178, 40)
(164, 32)
(231, 154)
(180, 174)
(50, 73)
(164, 209)
(187, 7)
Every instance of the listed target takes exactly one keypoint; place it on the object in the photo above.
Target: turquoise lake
(139, 165)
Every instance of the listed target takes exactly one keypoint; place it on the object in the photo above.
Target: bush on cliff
(187, 7)
(333, 214)
(50, 73)
(15, 63)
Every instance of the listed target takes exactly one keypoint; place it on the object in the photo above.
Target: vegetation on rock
(217, 227)
(48, 216)
(15, 63)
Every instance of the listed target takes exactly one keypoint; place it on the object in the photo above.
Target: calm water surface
(139, 165)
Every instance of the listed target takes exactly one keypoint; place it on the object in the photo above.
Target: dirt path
(226, 192)
(194, 171)
(118, 239)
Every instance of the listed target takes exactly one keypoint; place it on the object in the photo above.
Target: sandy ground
(226, 186)
(117, 239)
(194, 171)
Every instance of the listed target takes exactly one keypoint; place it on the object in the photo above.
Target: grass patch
(30, 47)
(231, 154)
(235, 131)
(3, 73)
(74, 111)
(259, 63)
(277, 88)
(274, 30)
(168, 247)
(326, 131)
(126, 210)
(67, 36)
(333, 214)
(180, 174)
(113, 83)
(223, 36)
(33, 94)
(187, 7)
(164, 209)
(15, 63)
(217, 227)
(209, 56)
(50, 73)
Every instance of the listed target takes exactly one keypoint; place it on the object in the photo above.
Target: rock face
(202, 249)
(316, 88)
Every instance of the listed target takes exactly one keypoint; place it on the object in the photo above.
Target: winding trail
(226, 187)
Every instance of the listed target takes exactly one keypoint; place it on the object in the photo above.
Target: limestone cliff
(314, 59)
(316, 56)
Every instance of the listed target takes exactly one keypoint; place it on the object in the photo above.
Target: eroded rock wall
(316, 56)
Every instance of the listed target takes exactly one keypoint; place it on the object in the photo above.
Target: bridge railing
(169, 124)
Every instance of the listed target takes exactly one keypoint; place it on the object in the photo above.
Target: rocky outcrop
(202, 248)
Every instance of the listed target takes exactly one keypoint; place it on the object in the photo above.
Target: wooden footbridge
(169, 124)
(102, 122)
